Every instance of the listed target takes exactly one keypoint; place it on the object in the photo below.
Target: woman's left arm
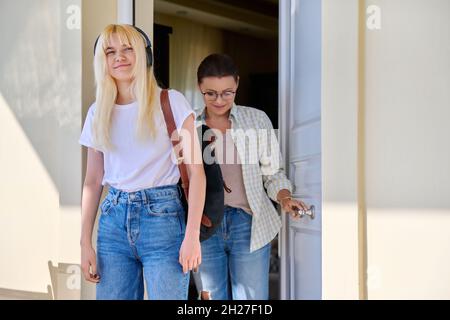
(278, 186)
(190, 252)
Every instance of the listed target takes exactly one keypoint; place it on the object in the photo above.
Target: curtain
(190, 43)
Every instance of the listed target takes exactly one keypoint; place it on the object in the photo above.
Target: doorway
(245, 30)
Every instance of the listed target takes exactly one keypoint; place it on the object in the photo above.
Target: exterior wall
(386, 213)
(40, 116)
(407, 101)
(340, 252)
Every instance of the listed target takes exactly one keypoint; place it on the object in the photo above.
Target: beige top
(230, 164)
(262, 181)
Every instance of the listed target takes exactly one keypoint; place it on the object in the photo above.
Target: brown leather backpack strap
(173, 133)
(173, 136)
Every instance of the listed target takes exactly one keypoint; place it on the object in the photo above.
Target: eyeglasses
(212, 95)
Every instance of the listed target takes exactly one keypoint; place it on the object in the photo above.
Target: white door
(300, 137)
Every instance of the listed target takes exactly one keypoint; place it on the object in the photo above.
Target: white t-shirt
(134, 165)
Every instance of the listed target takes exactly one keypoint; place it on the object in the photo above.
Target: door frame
(283, 137)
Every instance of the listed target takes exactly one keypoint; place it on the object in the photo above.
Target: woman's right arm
(92, 191)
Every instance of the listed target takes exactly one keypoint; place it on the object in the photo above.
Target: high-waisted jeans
(139, 237)
(228, 269)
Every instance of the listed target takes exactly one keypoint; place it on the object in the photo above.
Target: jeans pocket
(106, 206)
(166, 208)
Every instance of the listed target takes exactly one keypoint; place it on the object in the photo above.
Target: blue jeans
(228, 269)
(139, 237)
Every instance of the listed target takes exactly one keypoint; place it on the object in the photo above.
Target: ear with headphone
(148, 46)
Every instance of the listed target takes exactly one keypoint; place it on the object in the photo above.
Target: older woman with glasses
(235, 260)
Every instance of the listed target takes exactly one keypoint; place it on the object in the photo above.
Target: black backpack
(214, 201)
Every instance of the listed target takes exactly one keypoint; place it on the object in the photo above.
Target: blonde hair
(143, 86)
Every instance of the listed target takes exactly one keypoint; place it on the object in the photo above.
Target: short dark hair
(217, 65)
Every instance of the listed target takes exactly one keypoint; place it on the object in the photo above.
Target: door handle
(311, 213)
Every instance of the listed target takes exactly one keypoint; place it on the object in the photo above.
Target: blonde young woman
(142, 235)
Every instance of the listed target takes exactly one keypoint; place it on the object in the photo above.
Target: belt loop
(116, 197)
(144, 196)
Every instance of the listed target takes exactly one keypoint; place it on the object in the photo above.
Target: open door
(300, 138)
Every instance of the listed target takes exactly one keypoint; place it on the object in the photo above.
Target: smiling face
(120, 58)
(218, 94)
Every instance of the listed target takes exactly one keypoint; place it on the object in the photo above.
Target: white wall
(340, 252)
(40, 160)
(386, 155)
(408, 150)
